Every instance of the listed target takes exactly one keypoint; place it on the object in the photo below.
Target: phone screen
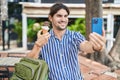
(97, 24)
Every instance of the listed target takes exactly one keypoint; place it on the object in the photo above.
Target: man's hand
(97, 41)
(42, 39)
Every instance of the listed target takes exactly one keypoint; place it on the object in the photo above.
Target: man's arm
(86, 47)
(35, 51)
(41, 41)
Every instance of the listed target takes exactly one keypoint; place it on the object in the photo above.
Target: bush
(79, 26)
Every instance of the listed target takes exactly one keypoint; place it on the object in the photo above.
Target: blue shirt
(62, 56)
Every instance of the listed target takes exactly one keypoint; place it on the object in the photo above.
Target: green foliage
(18, 30)
(79, 26)
(31, 32)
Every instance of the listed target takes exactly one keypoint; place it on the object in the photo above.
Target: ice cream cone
(45, 29)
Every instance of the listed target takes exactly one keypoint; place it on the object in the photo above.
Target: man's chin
(62, 28)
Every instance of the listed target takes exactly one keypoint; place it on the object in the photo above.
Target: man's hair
(56, 7)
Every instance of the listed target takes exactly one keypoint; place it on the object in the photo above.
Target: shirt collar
(52, 33)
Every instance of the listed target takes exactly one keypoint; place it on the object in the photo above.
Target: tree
(0, 24)
(3, 19)
(114, 54)
(112, 59)
(94, 9)
(0, 15)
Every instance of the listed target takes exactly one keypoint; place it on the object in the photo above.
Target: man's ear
(50, 18)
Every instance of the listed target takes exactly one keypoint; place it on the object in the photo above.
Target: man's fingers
(39, 32)
(101, 38)
(97, 41)
(103, 32)
(95, 44)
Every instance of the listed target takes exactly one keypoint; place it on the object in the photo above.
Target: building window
(116, 1)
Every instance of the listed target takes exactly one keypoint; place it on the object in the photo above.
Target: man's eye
(66, 15)
(58, 15)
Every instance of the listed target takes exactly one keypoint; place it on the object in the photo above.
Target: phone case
(97, 24)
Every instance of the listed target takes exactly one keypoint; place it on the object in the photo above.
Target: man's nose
(63, 18)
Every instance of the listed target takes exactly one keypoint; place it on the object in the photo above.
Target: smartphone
(97, 24)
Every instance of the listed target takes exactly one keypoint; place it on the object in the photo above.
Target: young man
(59, 48)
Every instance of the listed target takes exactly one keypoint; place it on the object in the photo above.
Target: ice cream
(45, 29)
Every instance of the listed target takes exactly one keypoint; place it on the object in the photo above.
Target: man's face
(59, 20)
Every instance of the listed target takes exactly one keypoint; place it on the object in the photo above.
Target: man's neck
(59, 34)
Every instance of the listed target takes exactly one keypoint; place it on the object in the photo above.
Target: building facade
(38, 8)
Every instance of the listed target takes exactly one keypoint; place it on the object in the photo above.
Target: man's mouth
(62, 23)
